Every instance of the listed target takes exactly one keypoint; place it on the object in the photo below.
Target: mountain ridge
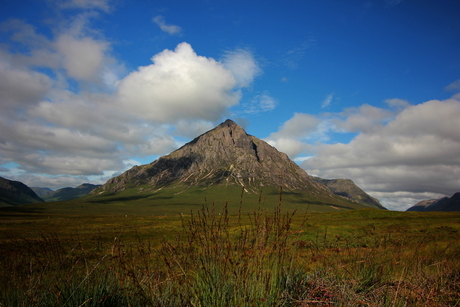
(14, 193)
(440, 204)
(230, 155)
(347, 188)
(223, 157)
(67, 193)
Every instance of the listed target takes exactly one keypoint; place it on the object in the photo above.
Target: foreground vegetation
(214, 258)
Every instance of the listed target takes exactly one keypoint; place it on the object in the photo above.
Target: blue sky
(360, 89)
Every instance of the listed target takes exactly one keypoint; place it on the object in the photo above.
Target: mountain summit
(216, 167)
(225, 155)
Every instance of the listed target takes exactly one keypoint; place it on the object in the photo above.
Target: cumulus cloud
(194, 128)
(83, 59)
(170, 29)
(290, 138)
(243, 66)
(397, 103)
(289, 146)
(179, 85)
(362, 119)
(416, 151)
(66, 113)
(299, 126)
(21, 87)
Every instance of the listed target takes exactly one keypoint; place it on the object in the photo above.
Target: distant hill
(347, 188)
(65, 193)
(14, 193)
(440, 204)
(215, 167)
(41, 192)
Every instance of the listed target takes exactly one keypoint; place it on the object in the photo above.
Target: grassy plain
(67, 254)
(137, 201)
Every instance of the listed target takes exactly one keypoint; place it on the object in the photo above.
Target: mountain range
(224, 159)
(440, 204)
(65, 193)
(221, 164)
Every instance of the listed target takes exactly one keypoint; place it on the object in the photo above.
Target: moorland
(249, 252)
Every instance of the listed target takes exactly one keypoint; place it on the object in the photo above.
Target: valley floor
(212, 258)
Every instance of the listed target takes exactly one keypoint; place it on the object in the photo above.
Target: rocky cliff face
(226, 155)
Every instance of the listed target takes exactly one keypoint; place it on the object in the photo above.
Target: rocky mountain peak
(225, 155)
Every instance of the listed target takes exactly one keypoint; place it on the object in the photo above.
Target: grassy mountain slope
(347, 188)
(14, 193)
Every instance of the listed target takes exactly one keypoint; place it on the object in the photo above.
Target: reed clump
(216, 260)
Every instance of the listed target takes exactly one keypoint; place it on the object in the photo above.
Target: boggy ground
(213, 258)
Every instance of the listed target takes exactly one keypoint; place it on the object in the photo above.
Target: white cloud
(260, 103)
(67, 117)
(327, 101)
(290, 138)
(417, 151)
(49, 126)
(158, 145)
(291, 147)
(397, 103)
(299, 126)
(52, 182)
(401, 201)
(192, 129)
(21, 87)
(362, 119)
(82, 58)
(242, 65)
(454, 86)
(170, 29)
(179, 85)
(266, 102)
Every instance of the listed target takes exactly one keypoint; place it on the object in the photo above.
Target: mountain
(65, 193)
(13, 193)
(41, 192)
(441, 204)
(422, 205)
(347, 188)
(225, 155)
(214, 166)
